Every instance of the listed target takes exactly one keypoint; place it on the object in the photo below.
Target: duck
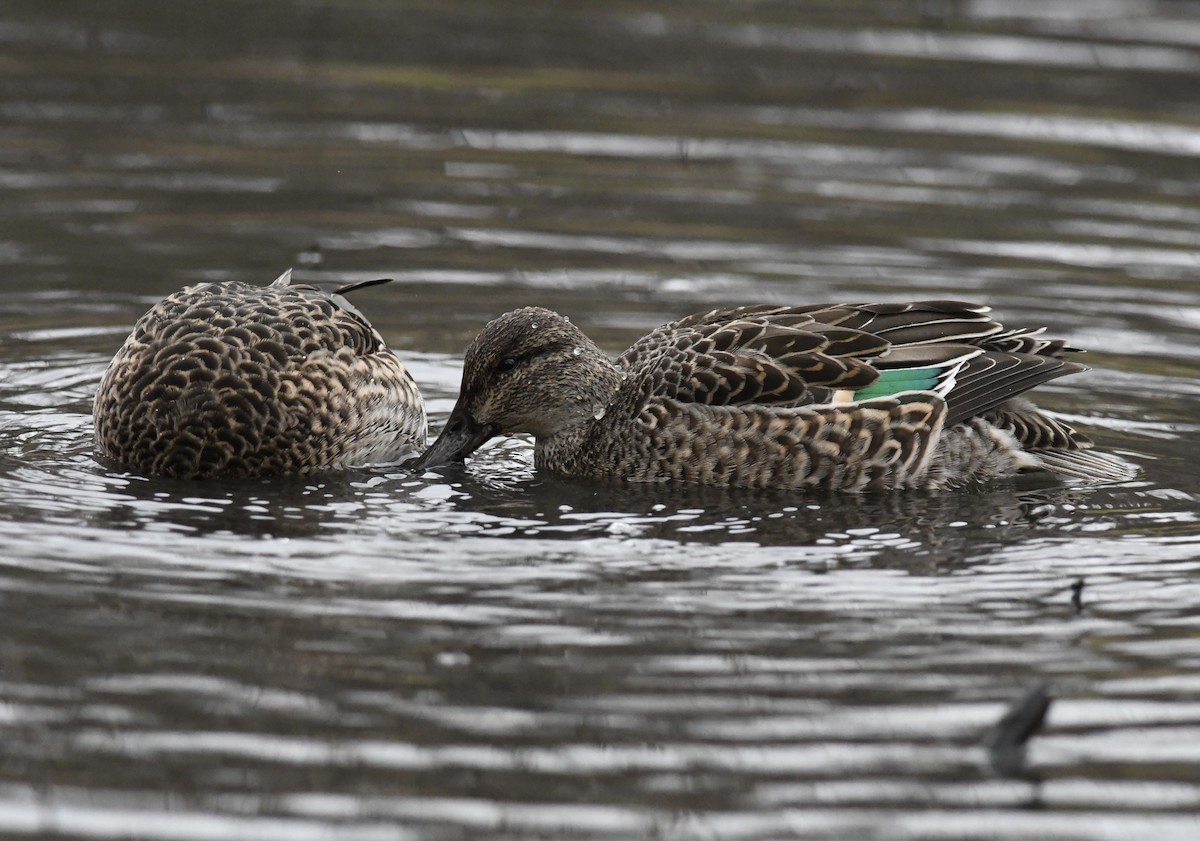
(834, 397)
(235, 379)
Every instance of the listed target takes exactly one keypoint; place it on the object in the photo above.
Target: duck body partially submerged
(231, 379)
(844, 397)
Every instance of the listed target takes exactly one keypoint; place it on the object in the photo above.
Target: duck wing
(750, 356)
(771, 355)
(993, 378)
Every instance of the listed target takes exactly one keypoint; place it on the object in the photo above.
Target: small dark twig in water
(1077, 595)
(1020, 721)
(1006, 740)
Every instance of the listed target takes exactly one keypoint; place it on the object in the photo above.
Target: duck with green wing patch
(846, 397)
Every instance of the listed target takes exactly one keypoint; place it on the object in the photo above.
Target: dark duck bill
(461, 436)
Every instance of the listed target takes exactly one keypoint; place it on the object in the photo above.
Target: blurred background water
(498, 654)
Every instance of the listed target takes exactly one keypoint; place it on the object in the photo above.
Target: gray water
(501, 654)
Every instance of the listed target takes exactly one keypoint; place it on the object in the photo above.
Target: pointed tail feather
(1088, 465)
(346, 289)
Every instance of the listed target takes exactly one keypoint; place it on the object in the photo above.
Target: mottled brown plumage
(847, 397)
(228, 379)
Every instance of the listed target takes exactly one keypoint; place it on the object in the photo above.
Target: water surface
(497, 653)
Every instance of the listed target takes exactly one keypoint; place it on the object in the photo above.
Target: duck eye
(506, 364)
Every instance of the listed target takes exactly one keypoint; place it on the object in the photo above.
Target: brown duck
(847, 397)
(230, 379)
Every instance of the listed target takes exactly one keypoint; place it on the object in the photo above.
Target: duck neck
(595, 390)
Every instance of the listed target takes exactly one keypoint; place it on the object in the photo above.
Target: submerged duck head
(529, 371)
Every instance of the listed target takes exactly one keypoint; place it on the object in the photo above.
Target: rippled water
(502, 654)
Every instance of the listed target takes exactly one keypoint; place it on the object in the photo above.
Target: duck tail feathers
(1088, 465)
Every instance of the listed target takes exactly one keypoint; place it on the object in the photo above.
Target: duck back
(229, 379)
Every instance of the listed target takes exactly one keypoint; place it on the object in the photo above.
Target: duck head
(529, 371)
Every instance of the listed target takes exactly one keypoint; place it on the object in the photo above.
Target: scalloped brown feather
(230, 379)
